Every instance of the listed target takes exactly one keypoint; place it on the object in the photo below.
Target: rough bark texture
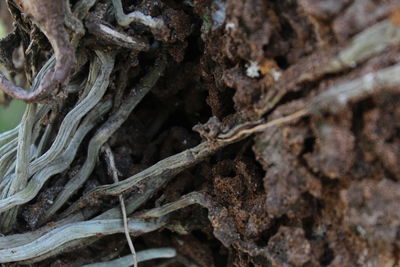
(321, 189)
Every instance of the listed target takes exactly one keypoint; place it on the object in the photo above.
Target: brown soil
(322, 190)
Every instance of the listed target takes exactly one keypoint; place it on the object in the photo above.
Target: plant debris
(236, 133)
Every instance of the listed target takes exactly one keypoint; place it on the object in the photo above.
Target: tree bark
(241, 133)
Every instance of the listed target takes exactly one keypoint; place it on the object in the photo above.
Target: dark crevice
(271, 231)
(282, 62)
(327, 257)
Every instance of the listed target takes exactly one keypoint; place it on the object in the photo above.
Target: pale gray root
(338, 96)
(75, 231)
(125, 19)
(16, 240)
(332, 100)
(144, 255)
(183, 202)
(73, 23)
(42, 236)
(368, 43)
(64, 248)
(113, 36)
(20, 180)
(335, 99)
(82, 7)
(8, 136)
(164, 170)
(103, 134)
(44, 139)
(74, 116)
(7, 159)
(60, 164)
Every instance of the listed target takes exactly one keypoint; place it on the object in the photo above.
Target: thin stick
(114, 172)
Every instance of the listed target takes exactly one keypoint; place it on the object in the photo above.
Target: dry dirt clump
(244, 133)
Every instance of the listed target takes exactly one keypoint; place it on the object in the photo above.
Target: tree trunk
(212, 133)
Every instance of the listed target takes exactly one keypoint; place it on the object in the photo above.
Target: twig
(114, 172)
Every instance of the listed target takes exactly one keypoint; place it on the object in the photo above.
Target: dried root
(108, 67)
